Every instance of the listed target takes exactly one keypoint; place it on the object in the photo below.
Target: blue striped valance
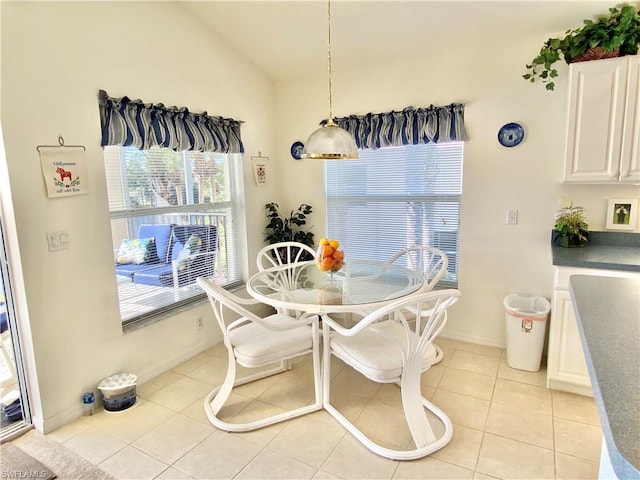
(411, 126)
(143, 125)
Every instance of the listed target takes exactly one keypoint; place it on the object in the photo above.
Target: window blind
(396, 197)
(185, 202)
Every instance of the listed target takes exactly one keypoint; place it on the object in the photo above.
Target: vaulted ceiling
(288, 39)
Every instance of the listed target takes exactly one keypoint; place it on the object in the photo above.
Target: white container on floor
(526, 324)
(118, 391)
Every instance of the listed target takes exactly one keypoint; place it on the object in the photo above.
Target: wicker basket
(595, 53)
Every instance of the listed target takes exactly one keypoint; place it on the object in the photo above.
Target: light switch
(64, 240)
(52, 241)
(564, 202)
(58, 240)
(512, 216)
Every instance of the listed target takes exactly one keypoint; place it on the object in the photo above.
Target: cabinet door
(630, 157)
(595, 119)
(566, 361)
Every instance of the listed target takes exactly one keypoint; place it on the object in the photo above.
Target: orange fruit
(337, 265)
(338, 255)
(326, 264)
(327, 251)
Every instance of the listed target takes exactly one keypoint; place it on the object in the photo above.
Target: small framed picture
(622, 214)
(260, 170)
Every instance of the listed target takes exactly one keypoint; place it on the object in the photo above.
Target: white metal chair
(255, 342)
(387, 346)
(282, 253)
(432, 263)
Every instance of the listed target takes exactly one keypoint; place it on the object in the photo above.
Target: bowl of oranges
(329, 256)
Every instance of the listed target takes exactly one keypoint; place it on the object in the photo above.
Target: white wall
(55, 58)
(495, 258)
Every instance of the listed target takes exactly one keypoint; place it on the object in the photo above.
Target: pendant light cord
(330, 121)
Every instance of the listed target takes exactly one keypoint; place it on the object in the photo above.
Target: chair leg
(413, 403)
(439, 354)
(222, 394)
(317, 366)
(217, 398)
(417, 421)
(418, 452)
(326, 367)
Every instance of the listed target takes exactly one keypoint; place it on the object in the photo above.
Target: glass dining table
(361, 285)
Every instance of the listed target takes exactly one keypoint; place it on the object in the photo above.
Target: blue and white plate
(296, 150)
(511, 135)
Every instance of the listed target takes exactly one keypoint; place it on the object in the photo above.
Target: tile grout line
(486, 420)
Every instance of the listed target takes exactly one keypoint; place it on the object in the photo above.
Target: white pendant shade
(330, 142)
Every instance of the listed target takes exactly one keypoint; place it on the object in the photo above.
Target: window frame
(225, 211)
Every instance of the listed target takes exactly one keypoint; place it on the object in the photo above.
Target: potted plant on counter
(287, 229)
(613, 35)
(571, 228)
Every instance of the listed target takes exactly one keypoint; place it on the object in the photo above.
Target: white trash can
(526, 322)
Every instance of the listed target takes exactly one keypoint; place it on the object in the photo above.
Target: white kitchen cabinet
(566, 364)
(603, 122)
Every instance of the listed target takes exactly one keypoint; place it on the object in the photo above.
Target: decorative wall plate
(511, 134)
(296, 150)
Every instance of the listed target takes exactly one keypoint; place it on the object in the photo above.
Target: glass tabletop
(302, 286)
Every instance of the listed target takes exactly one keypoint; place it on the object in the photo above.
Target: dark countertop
(613, 361)
(605, 250)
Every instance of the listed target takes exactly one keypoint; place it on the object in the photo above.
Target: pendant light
(330, 142)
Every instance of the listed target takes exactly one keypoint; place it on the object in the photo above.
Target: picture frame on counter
(622, 214)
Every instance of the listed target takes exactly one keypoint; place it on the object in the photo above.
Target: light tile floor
(506, 425)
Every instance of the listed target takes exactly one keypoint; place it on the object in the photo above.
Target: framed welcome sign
(64, 169)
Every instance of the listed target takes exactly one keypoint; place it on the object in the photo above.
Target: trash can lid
(119, 380)
(526, 304)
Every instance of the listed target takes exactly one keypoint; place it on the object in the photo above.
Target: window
(185, 202)
(396, 197)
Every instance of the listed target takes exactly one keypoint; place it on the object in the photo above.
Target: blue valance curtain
(128, 122)
(411, 126)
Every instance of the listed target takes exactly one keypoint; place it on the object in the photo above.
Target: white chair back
(221, 298)
(282, 253)
(431, 262)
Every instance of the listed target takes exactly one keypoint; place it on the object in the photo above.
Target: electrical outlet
(199, 324)
(512, 216)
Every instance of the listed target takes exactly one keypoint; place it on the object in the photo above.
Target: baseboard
(569, 387)
(162, 367)
(50, 424)
(465, 337)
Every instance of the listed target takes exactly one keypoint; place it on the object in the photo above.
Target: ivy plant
(617, 32)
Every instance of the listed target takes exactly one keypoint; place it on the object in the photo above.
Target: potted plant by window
(287, 229)
(571, 228)
(617, 34)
